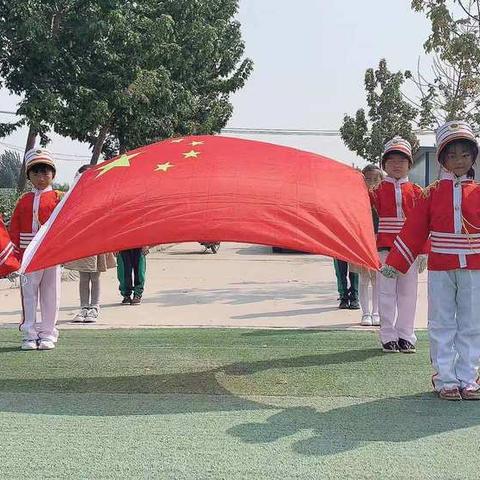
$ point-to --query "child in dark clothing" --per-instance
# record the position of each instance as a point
(131, 267)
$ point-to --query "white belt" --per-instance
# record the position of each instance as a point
(455, 243)
(390, 224)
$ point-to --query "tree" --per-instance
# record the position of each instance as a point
(10, 166)
(453, 88)
(31, 64)
(389, 114)
(160, 69)
(119, 74)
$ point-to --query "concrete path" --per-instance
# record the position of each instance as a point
(241, 286)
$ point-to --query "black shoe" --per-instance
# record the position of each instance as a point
(390, 347)
(354, 305)
(405, 346)
(126, 301)
(137, 300)
(344, 304)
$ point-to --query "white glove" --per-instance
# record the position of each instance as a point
(389, 272)
(422, 263)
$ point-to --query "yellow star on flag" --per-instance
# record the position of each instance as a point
(123, 161)
(177, 140)
(191, 154)
(164, 167)
(194, 143)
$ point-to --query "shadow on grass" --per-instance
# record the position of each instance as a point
(64, 398)
(396, 419)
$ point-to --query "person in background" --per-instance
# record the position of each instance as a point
(90, 269)
(347, 285)
(131, 268)
(367, 288)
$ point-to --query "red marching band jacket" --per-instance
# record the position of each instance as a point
(393, 200)
(450, 213)
(8, 261)
(33, 209)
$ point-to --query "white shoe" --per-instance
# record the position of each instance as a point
(29, 345)
(92, 315)
(80, 316)
(366, 320)
(46, 345)
(376, 319)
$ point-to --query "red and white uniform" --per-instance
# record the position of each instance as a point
(8, 260)
(450, 214)
(33, 210)
(394, 200)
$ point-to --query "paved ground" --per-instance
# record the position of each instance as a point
(241, 286)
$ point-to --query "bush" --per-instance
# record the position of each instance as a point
(8, 200)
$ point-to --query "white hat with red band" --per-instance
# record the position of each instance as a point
(37, 156)
(398, 144)
(451, 131)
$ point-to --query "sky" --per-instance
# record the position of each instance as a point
(310, 57)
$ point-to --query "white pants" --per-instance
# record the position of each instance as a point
(397, 301)
(454, 327)
(44, 287)
(366, 279)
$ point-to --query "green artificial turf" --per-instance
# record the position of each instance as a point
(232, 404)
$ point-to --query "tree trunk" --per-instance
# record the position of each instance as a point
(31, 139)
(97, 149)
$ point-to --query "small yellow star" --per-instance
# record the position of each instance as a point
(191, 154)
(177, 140)
(123, 161)
(164, 167)
(194, 143)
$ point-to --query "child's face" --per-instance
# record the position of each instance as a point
(397, 165)
(458, 159)
(373, 178)
(41, 177)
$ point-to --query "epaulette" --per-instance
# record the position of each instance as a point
(426, 191)
(21, 197)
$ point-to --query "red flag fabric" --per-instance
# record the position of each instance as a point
(211, 188)
(8, 261)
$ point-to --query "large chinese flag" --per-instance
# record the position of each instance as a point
(211, 188)
(8, 260)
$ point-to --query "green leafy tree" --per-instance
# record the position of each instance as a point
(32, 64)
(119, 74)
(452, 89)
(10, 166)
(162, 69)
(388, 114)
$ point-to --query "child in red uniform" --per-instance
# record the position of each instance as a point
(393, 200)
(8, 261)
(450, 213)
(31, 212)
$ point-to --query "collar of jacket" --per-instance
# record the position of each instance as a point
(447, 175)
(395, 181)
(36, 191)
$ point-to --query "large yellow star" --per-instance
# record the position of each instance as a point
(191, 154)
(177, 140)
(164, 167)
(123, 161)
(194, 143)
